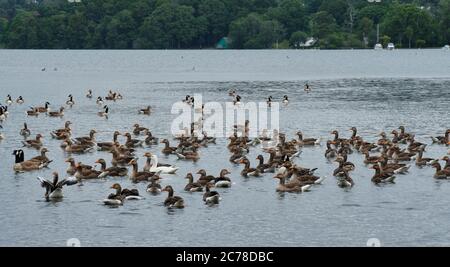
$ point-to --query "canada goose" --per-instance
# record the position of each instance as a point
(104, 113)
(43, 109)
(99, 101)
(20, 100)
(59, 113)
(25, 132)
(145, 111)
(70, 101)
(21, 165)
(89, 94)
(8, 100)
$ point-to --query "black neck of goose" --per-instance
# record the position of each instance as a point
(354, 133)
(103, 164)
(170, 191)
(166, 144)
(438, 167)
(300, 136)
(119, 191)
(19, 157)
(190, 179)
(207, 189)
(261, 160)
(282, 181)
(55, 180)
(115, 137)
(336, 136)
(247, 164)
(91, 135)
(377, 171)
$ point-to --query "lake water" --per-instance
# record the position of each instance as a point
(372, 90)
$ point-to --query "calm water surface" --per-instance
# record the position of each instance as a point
(372, 90)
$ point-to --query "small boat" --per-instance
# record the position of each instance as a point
(390, 46)
(378, 46)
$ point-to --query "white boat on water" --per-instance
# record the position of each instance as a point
(378, 46)
(446, 47)
(390, 46)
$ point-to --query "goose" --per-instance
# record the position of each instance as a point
(442, 139)
(171, 200)
(89, 94)
(137, 176)
(20, 100)
(2, 136)
(247, 171)
(76, 148)
(72, 169)
(346, 180)
(421, 161)
(20, 165)
(307, 88)
(70, 101)
(43, 109)
(264, 167)
(138, 129)
(336, 140)
(237, 100)
(285, 100)
(192, 186)
(42, 158)
(59, 113)
(222, 180)
(34, 143)
(330, 152)
(204, 179)
(447, 162)
(294, 186)
(86, 140)
(167, 148)
(119, 158)
(150, 139)
(440, 173)
(121, 195)
(99, 101)
(53, 189)
(145, 111)
(3, 113)
(25, 132)
(154, 187)
(371, 159)
(131, 143)
(109, 145)
(232, 92)
(9, 100)
(149, 163)
(104, 113)
(381, 177)
(32, 112)
(111, 171)
(58, 132)
(189, 155)
(85, 173)
(162, 169)
(307, 141)
(211, 197)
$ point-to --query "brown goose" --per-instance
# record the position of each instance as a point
(34, 143)
(138, 129)
(211, 197)
(248, 171)
(107, 146)
(85, 174)
(131, 143)
(59, 113)
(145, 111)
(381, 177)
(137, 176)
(222, 180)
(440, 173)
(293, 186)
(167, 148)
(114, 171)
(204, 179)
(72, 169)
(307, 141)
(171, 200)
(192, 186)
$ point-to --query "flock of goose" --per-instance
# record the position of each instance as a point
(388, 157)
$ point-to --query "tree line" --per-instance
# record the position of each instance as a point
(248, 24)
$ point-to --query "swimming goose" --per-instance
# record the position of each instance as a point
(421, 161)
(171, 200)
(58, 132)
(222, 180)
(43, 109)
(137, 176)
(154, 187)
(76, 148)
(2, 113)
(344, 165)
(371, 159)
(114, 171)
(32, 112)
(150, 139)
(269, 101)
(42, 158)
(247, 171)
(403, 134)
(59, 113)
(53, 189)
(121, 195)
(89, 94)
(145, 111)
(70, 101)
(20, 100)
(104, 113)
(138, 129)
(294, 186)
(85, 173)
(440, 173)
(264, 167)
(336, 140)
(131, 143)
(20, 165)
(237, 100)
(149, 163)
(210, 197)
(346, 180)
(99, 101)
(86, 140)
(307, 141)
(8, 100)
(2, 136)
(189, 155)
(204, 178)
(107, 146)
(330, 152)
(25, 132)
(163, 169)
(167, 148)
(192, 186)
(381, 177)
(72, 169)
(285, 100)
(34, 143)
(442, 139)
(447, 162)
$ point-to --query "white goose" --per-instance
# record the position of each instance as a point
(162, 169)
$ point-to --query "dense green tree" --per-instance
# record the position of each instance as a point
(444, 24)
(290, 13)
(297, 38)
(22, 32)
(322, 24)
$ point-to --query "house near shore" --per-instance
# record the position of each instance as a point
(223, 43)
